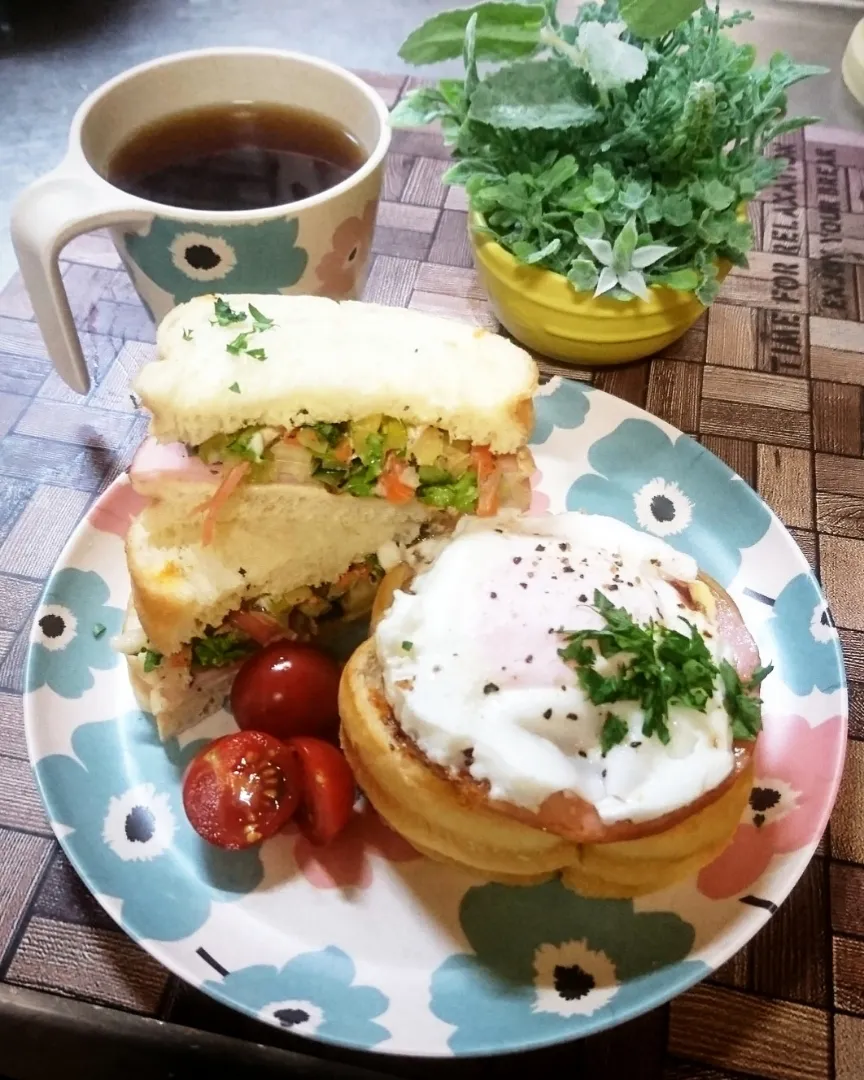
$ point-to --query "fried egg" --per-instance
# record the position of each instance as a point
(472, 669)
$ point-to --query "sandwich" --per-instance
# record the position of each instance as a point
(560, 695)
(355, 399)
(296, 447)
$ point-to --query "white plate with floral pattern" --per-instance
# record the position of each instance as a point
(367, 944)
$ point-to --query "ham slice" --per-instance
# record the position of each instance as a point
(156, 462)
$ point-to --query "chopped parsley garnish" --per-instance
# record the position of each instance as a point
(663, 667)
(225, 314)
(256, 354)
(614, 731)
(187, 335)
(98, 630)
(152, 659)
(239, 344)
(217, 650)
(330, 433)
(745, 709)
(261, 321)
(407, 645)
(234, 388)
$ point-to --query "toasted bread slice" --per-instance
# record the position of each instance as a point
(270, 539)
(324, 361)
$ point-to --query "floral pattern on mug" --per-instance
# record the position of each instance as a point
(260, 258)
(348, 860)
(796, 768)
(349, 249)
(72, 633)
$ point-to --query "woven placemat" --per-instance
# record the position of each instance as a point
(770, 380)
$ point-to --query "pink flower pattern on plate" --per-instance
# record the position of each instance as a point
(115, 509)
(346, 861)
(797, 766)
(539, 499)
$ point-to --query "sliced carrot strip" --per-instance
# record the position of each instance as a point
(231, 481)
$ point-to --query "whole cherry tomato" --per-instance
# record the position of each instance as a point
(328, 795)
(241, 789)
(287, 689)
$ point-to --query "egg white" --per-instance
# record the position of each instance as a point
(471, 666)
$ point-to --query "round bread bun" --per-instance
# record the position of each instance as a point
(449, 816)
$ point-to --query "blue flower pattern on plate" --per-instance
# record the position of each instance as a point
(313, 994)
(566, 407)
(676, 490)
(550, 965)
(807, 648)
(130, 839)
(73, 630)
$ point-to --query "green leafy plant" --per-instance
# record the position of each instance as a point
(619, 150)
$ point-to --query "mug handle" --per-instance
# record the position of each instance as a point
(45, 217)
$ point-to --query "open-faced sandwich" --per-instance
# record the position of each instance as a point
(555, 695)
(292, 439)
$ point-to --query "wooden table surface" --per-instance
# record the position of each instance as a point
(771, 380)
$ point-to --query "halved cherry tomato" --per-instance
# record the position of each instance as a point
(393, 487)
(328, 789)
(287, 689)
(241, 789)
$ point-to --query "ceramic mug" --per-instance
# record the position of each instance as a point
(316, 245)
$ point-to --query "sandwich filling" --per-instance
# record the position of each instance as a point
(570, 654)
(295, 616)
(378, 456)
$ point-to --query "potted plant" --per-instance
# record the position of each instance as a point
(608, 162)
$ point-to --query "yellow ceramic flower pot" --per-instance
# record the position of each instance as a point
(543, 311)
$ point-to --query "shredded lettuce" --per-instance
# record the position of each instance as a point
(461, 495)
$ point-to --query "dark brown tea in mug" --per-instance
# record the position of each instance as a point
(236, 156)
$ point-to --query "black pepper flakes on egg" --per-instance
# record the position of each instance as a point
(582, 753)
(540, 547)
(547, 715)
(490, 688)
(436, 668)
(613, 587)
(635, 745)
(493, 595)
(569, 570)
(563, 547)
(572, 716)
(529, 658)
(523, 584)
(583, 599)
(603, 774)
